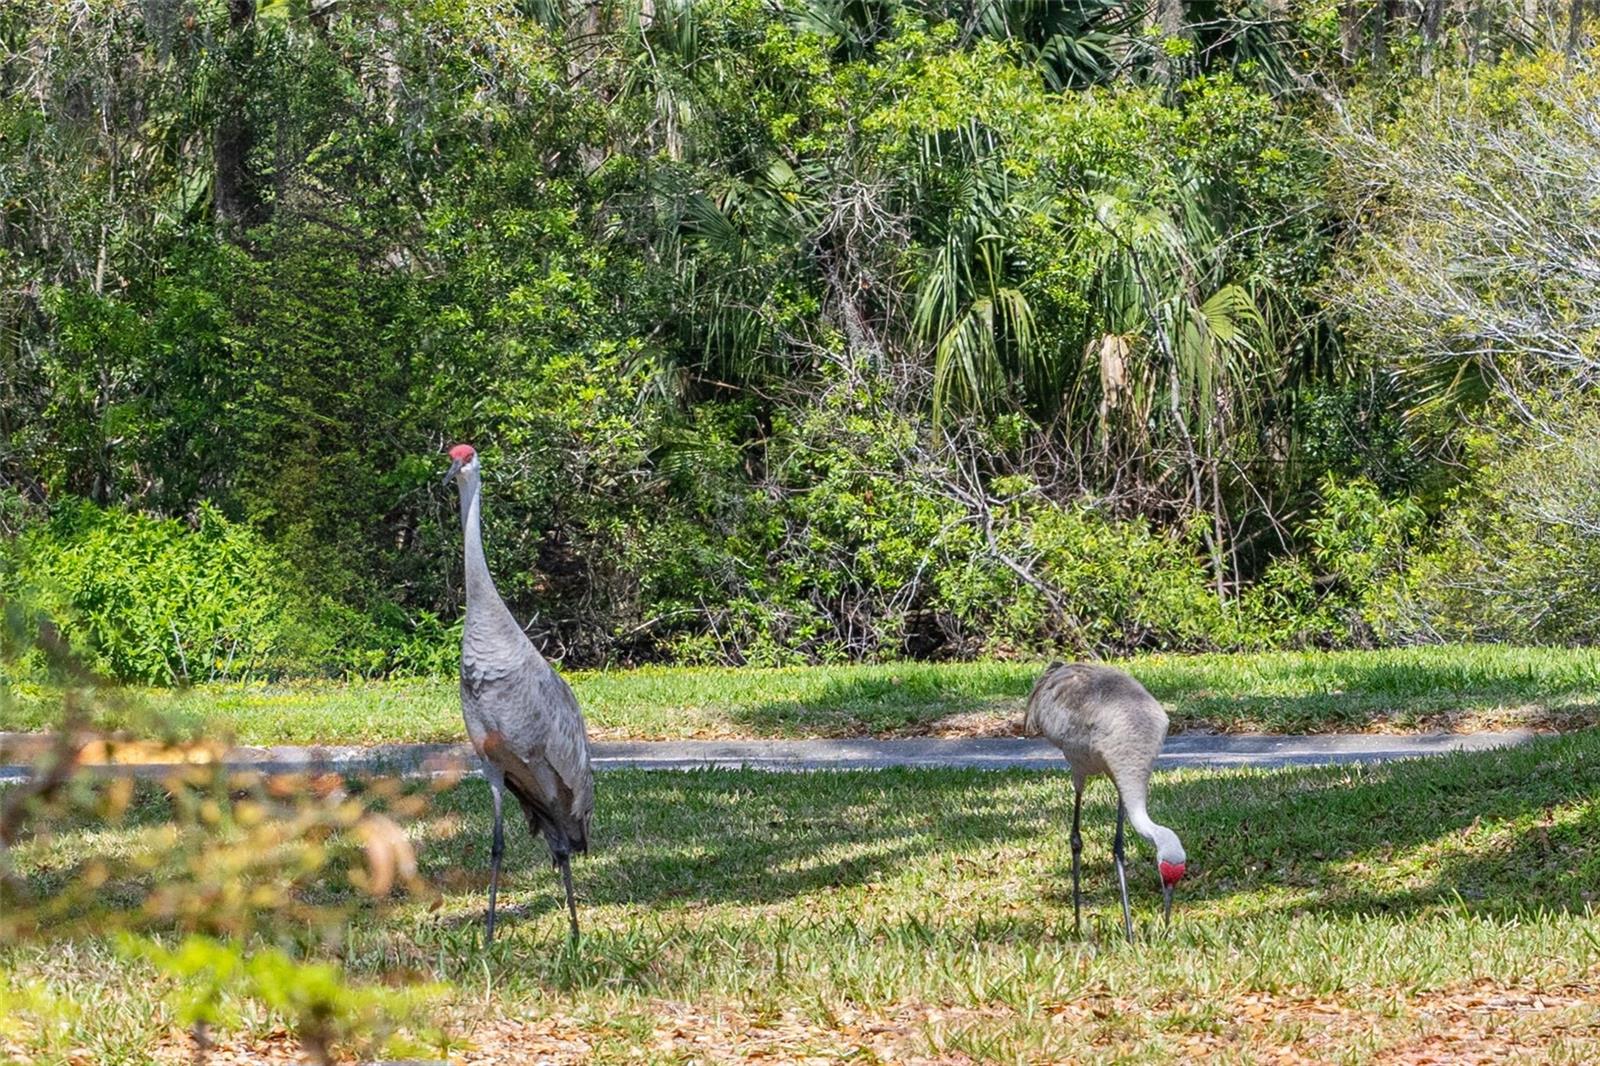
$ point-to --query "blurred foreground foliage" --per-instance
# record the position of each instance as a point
(233, 896)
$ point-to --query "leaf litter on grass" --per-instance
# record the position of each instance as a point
(1481, 1022)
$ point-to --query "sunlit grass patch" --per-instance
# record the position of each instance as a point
(1339, 914)
(1394, 689)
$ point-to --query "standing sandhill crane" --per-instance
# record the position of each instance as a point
(1105, 722)
(521, 717)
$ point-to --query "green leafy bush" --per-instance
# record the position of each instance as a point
(323, 1006)
(1517, 555)
(236, 890)
(152, 599)
(1340, 592)
(862, 543)
(831, 549)
(1472, 275)
(1097, 584)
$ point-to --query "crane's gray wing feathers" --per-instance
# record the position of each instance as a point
(526, 725)
(566, 738)
(1101, 718)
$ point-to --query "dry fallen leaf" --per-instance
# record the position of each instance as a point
(389, 853)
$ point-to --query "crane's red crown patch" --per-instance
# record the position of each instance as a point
(1171, 872)
(462, 453)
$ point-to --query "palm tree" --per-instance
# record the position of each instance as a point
(970, 307)
(1180, 355)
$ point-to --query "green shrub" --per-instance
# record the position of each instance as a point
(1340, 592)
(854, 546)
(1471, 277)
(337, 639)
(152, 599)
(322, 1004)
(859, 544)
(831, 549)
(1098, 584)
(1517, 557)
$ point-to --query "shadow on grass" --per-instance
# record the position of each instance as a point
(1492, 833)
(1290, 692)
(1358, 711)
(1496, 832)
(1354, 690)
(889, 701)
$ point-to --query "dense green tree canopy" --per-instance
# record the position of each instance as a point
(805, 329)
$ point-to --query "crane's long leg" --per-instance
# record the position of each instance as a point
(1077, 851)
(496, 852)
(1122, 874)
(565, 862)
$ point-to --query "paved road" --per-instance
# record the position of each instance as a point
(1187, 749)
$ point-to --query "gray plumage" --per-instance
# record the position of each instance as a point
(521, 716)
(1105, 722)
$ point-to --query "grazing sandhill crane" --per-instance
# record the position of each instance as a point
(521, 717)
(1105, 722)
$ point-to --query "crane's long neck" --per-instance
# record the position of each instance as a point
(1163, 839)
(491, 637)
(480, 586)
(1139, 818)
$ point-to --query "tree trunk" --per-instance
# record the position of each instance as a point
(1384, 16)
(1574, 27)
(1349, 31)
(584, 26)
(388, 33)
(1432, 14)
(238, 199)
(1168, 16)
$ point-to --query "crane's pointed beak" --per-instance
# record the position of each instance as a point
(455, 468)
(1166, 905)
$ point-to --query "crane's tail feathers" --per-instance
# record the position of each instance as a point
(1031, 724)
(558, 828)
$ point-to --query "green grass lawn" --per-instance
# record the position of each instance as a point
(1443, 907)
(1408, 688)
